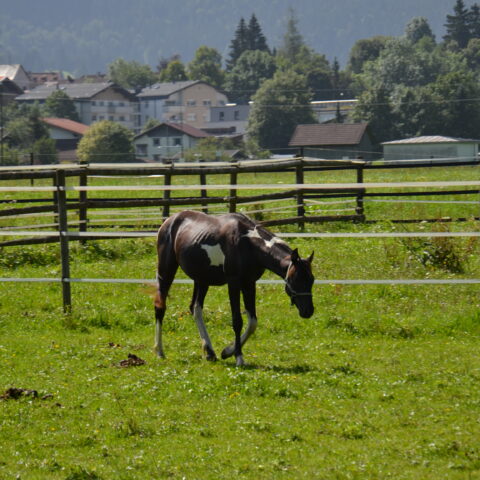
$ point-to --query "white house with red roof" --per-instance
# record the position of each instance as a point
(66, 133)
(166, 141)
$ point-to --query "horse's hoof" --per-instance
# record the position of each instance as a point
(211, 358)
(227, 352)
(239, 361)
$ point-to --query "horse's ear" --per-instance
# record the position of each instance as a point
(310, 258)
(295, 257)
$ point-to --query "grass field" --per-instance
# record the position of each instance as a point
(382, 382)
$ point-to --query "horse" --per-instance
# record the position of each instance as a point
(226, 249)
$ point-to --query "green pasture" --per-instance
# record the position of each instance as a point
(382, 382)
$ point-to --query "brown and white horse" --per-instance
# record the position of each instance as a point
(226, 249)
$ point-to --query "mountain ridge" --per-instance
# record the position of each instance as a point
(85, 37)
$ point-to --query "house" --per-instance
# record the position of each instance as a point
(40, 78)
(93, 101)
(9, 90)
(327, 110)
(187, 102)
(335, 141)
(229, 119)
(66, 133)
(166, 141)
(431, 147)
(17, 74)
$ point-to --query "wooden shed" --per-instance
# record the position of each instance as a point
(335, 141)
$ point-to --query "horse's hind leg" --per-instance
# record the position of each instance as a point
(199, 293)
(167, 267)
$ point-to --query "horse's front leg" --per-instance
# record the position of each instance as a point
(249, 301)
(237, 323)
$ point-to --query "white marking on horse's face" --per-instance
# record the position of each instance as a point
(268, 243)
(215, 254)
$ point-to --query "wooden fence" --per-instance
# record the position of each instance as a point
(66, 196)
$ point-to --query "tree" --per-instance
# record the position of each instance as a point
(279, 105)
(255, 38)
(247, 37)
(26, 128)
(292, 40)
(207, 66)
(365, 50)
(44, 151)
(458, 25)
(106, 141)
(474, 21)
(250, 70)
(417, 29)
(174, 72)
(374, 106)
(316, 70)
(131, 74)
(456, 114)
(58, 104)
(238, 44)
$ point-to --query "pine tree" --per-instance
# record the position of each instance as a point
(255, 38)
(458, 25)
(474, 21)
(292, 40)
(238, 44)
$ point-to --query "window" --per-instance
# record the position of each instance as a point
(121, 104)
(207, 103)
(121, 118)
(191, 117)
(141, 149)
(145, 103)
(191, 103)
(156, 142)
(101, 117)
(94, 118)
(236, 115)
(177, 141)
(94, 103)
(100, 103)
(110, 117)
(221, 116)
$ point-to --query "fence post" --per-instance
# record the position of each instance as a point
(63, 231)
(359, 209)
(166, 193)
(233, 191)
(299, 180)
(82, 199)
(203, 192)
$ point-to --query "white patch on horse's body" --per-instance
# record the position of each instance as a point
(215, 254)
(268, 243)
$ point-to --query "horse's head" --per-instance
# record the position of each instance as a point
(299, 282)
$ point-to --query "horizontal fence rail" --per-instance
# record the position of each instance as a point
(348, 198)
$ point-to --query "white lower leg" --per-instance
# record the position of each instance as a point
(198, 315)
(158, 348)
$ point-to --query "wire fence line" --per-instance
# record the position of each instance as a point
(353, 192)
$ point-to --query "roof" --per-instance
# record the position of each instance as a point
(76, 91)
(8, 85)
(180, 127)
(66, 124)
(430, 139)
(9, 71)
(328, 134)
(166, 89)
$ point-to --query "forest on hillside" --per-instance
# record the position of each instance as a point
(84, 37)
